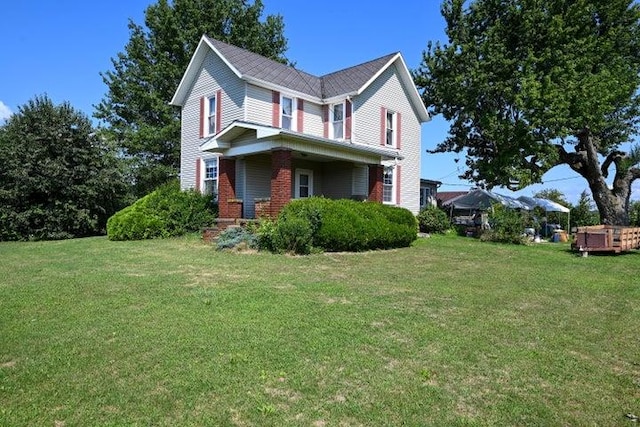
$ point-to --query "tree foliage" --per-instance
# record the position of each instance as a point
(145, 76)
(634, 213)
(584, 212)
(531, 84)
(57, 179)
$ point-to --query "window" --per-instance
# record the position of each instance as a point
(211, 115)
(425, 196)
(387, 184)
(286, 113)
(210, 186)
(390, 136)
(338, 121)
(304, 183)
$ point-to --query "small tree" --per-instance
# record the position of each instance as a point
(634, 213)
(507, 225)
(584, 212)
(57, 179)
(432, 219)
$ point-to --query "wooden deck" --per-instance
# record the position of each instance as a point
(606, 238)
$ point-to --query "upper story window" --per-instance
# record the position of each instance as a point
(390, 129)
(338, 121)
(211, 115)
(287, 108)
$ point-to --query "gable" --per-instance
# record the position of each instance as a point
(271, 74)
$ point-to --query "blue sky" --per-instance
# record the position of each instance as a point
(59, 48)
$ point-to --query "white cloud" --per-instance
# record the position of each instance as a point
(5, 112)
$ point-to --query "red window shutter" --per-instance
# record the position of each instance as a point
(202, 117)
(300, 118)
(325, 120)
(218, 110)
(347, 119)
(383, 126)
(275, 110)
(398, 182)
(198, 162)
(398, 130)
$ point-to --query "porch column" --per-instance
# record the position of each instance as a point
(227, 188)
(375, 183)
(280, 180)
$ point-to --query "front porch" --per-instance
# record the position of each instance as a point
(261, 185)
(262, 168)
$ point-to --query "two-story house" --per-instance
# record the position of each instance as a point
(256, 131)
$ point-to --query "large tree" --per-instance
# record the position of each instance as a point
(57, 179)
(531, 84)
(145, 76)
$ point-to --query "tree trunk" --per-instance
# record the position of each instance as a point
(612, 203)
(612, 207)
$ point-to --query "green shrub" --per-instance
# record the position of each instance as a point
(507, 226)
(237, 237)
(347, 225)
(293, 236)
(165, 212)
(265, 235)
(433, 220)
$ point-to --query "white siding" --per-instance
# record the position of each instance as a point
(313, 119)
(259, 105)
(214, 75)
(257, 182)
(337, 181)
(387, 91)
(360, 181)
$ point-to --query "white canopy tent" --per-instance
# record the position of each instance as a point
(547, 205)
(483, 199)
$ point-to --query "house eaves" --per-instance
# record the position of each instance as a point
(264, 72)
(224, 139)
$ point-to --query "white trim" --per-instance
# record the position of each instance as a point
(269, 137)
(200, 53)
(207, 113)
(245, 113)
(203, 174)
(394, 183)
(294, 111)
(278, 88)
(407, 81)
(394, 128)
(332, 120)
(307, 172)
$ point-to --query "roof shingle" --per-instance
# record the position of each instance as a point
(341, 82)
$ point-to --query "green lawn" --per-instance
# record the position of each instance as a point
(448, 332)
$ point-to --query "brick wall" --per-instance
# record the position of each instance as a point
(375, 183)
(226, 186)
(280, 180)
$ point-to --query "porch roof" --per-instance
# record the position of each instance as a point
(268, 138)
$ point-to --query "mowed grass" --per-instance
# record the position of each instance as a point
(450, 332)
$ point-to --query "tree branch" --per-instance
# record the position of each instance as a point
(575, 160)
(614, 157)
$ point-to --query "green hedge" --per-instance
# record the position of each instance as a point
(166, 212)
(343, 225)
(432, 219)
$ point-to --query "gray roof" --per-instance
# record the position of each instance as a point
(341, 82)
